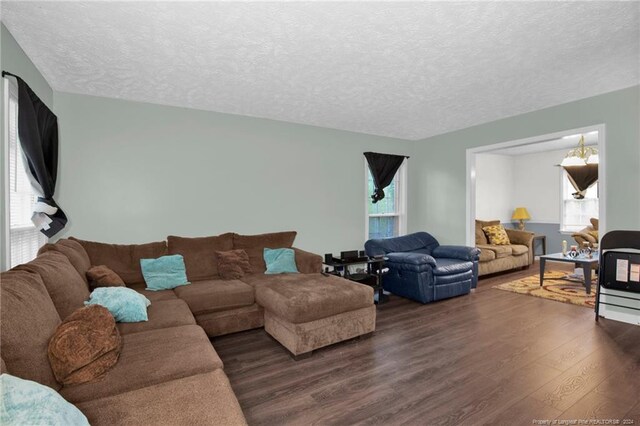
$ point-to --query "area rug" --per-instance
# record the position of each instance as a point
(553, 288)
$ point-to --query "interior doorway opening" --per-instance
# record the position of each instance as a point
(526, 173)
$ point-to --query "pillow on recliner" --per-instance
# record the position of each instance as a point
(497, 235)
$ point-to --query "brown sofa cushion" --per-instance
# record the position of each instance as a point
(233, 264)
(65, 286)
(256, 280)
(254, 245)
(486, 254)
(28, 319)
(74, 251)
(162, 314)
(150, 358)
(85, 346)
(200, 254)
(481, 237)
(153, 296)
(123, 259)
(300, 298)
(103, 276)
(308, 263)
(203, 399)
(215, 295)
(500, 251)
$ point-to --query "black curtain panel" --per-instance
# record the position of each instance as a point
(582, 178)
(38, 135)
(383, 168)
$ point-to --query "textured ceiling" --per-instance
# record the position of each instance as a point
(407, 70)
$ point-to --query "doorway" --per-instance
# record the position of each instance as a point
(559, 141)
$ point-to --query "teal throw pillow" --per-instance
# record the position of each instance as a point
(125, 304)
(24, 402)
(280, 261)
(164, 273)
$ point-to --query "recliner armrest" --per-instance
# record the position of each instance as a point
(457, 252)
(411, 258)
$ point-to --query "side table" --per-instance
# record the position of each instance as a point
(543, 239)
(371, 277)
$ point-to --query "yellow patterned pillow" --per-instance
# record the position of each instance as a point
(497, 235)
(594, 234)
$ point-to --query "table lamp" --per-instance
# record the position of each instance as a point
(521, 214)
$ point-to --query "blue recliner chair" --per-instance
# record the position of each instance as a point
(421, 269)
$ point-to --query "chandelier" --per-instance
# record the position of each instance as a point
(581, 155)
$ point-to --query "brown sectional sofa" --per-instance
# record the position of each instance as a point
(168, 371)
(498, 258)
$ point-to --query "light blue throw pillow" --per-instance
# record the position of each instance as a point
(125, 304)
(29, 403)
(280, 261)
(164, 273)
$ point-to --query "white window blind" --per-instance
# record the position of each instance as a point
(387, 218)
(24, 238)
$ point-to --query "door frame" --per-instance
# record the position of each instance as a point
(471, 172)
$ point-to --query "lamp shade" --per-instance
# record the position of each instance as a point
(520, 213)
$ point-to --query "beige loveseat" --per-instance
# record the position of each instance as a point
(498, 258)
(168, 372)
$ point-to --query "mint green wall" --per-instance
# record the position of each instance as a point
(135, 172)
(14, 60)
(439, 178)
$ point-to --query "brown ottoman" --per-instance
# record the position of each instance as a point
(309, 311)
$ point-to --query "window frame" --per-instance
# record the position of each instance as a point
(401, 200)
(563, 182)
(10, 91)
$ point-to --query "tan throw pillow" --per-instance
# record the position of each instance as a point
(102, 276)
(233, 264)
(594, 234)
(85, 346)
(594, 222)
(497, 235)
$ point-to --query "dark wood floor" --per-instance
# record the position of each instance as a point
(492, 357)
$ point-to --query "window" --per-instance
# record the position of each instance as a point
(388, 217)
(576, 213)
(24, 238)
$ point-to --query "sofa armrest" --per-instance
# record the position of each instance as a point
(524, 238)
(520, 237)
(411, 258)
(308, 263)
(457, 252)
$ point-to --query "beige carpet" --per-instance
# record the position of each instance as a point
(553, 288)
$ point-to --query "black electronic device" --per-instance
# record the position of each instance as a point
(349, 255)
(621, 270)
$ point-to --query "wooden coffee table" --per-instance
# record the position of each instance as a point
(582, 262)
